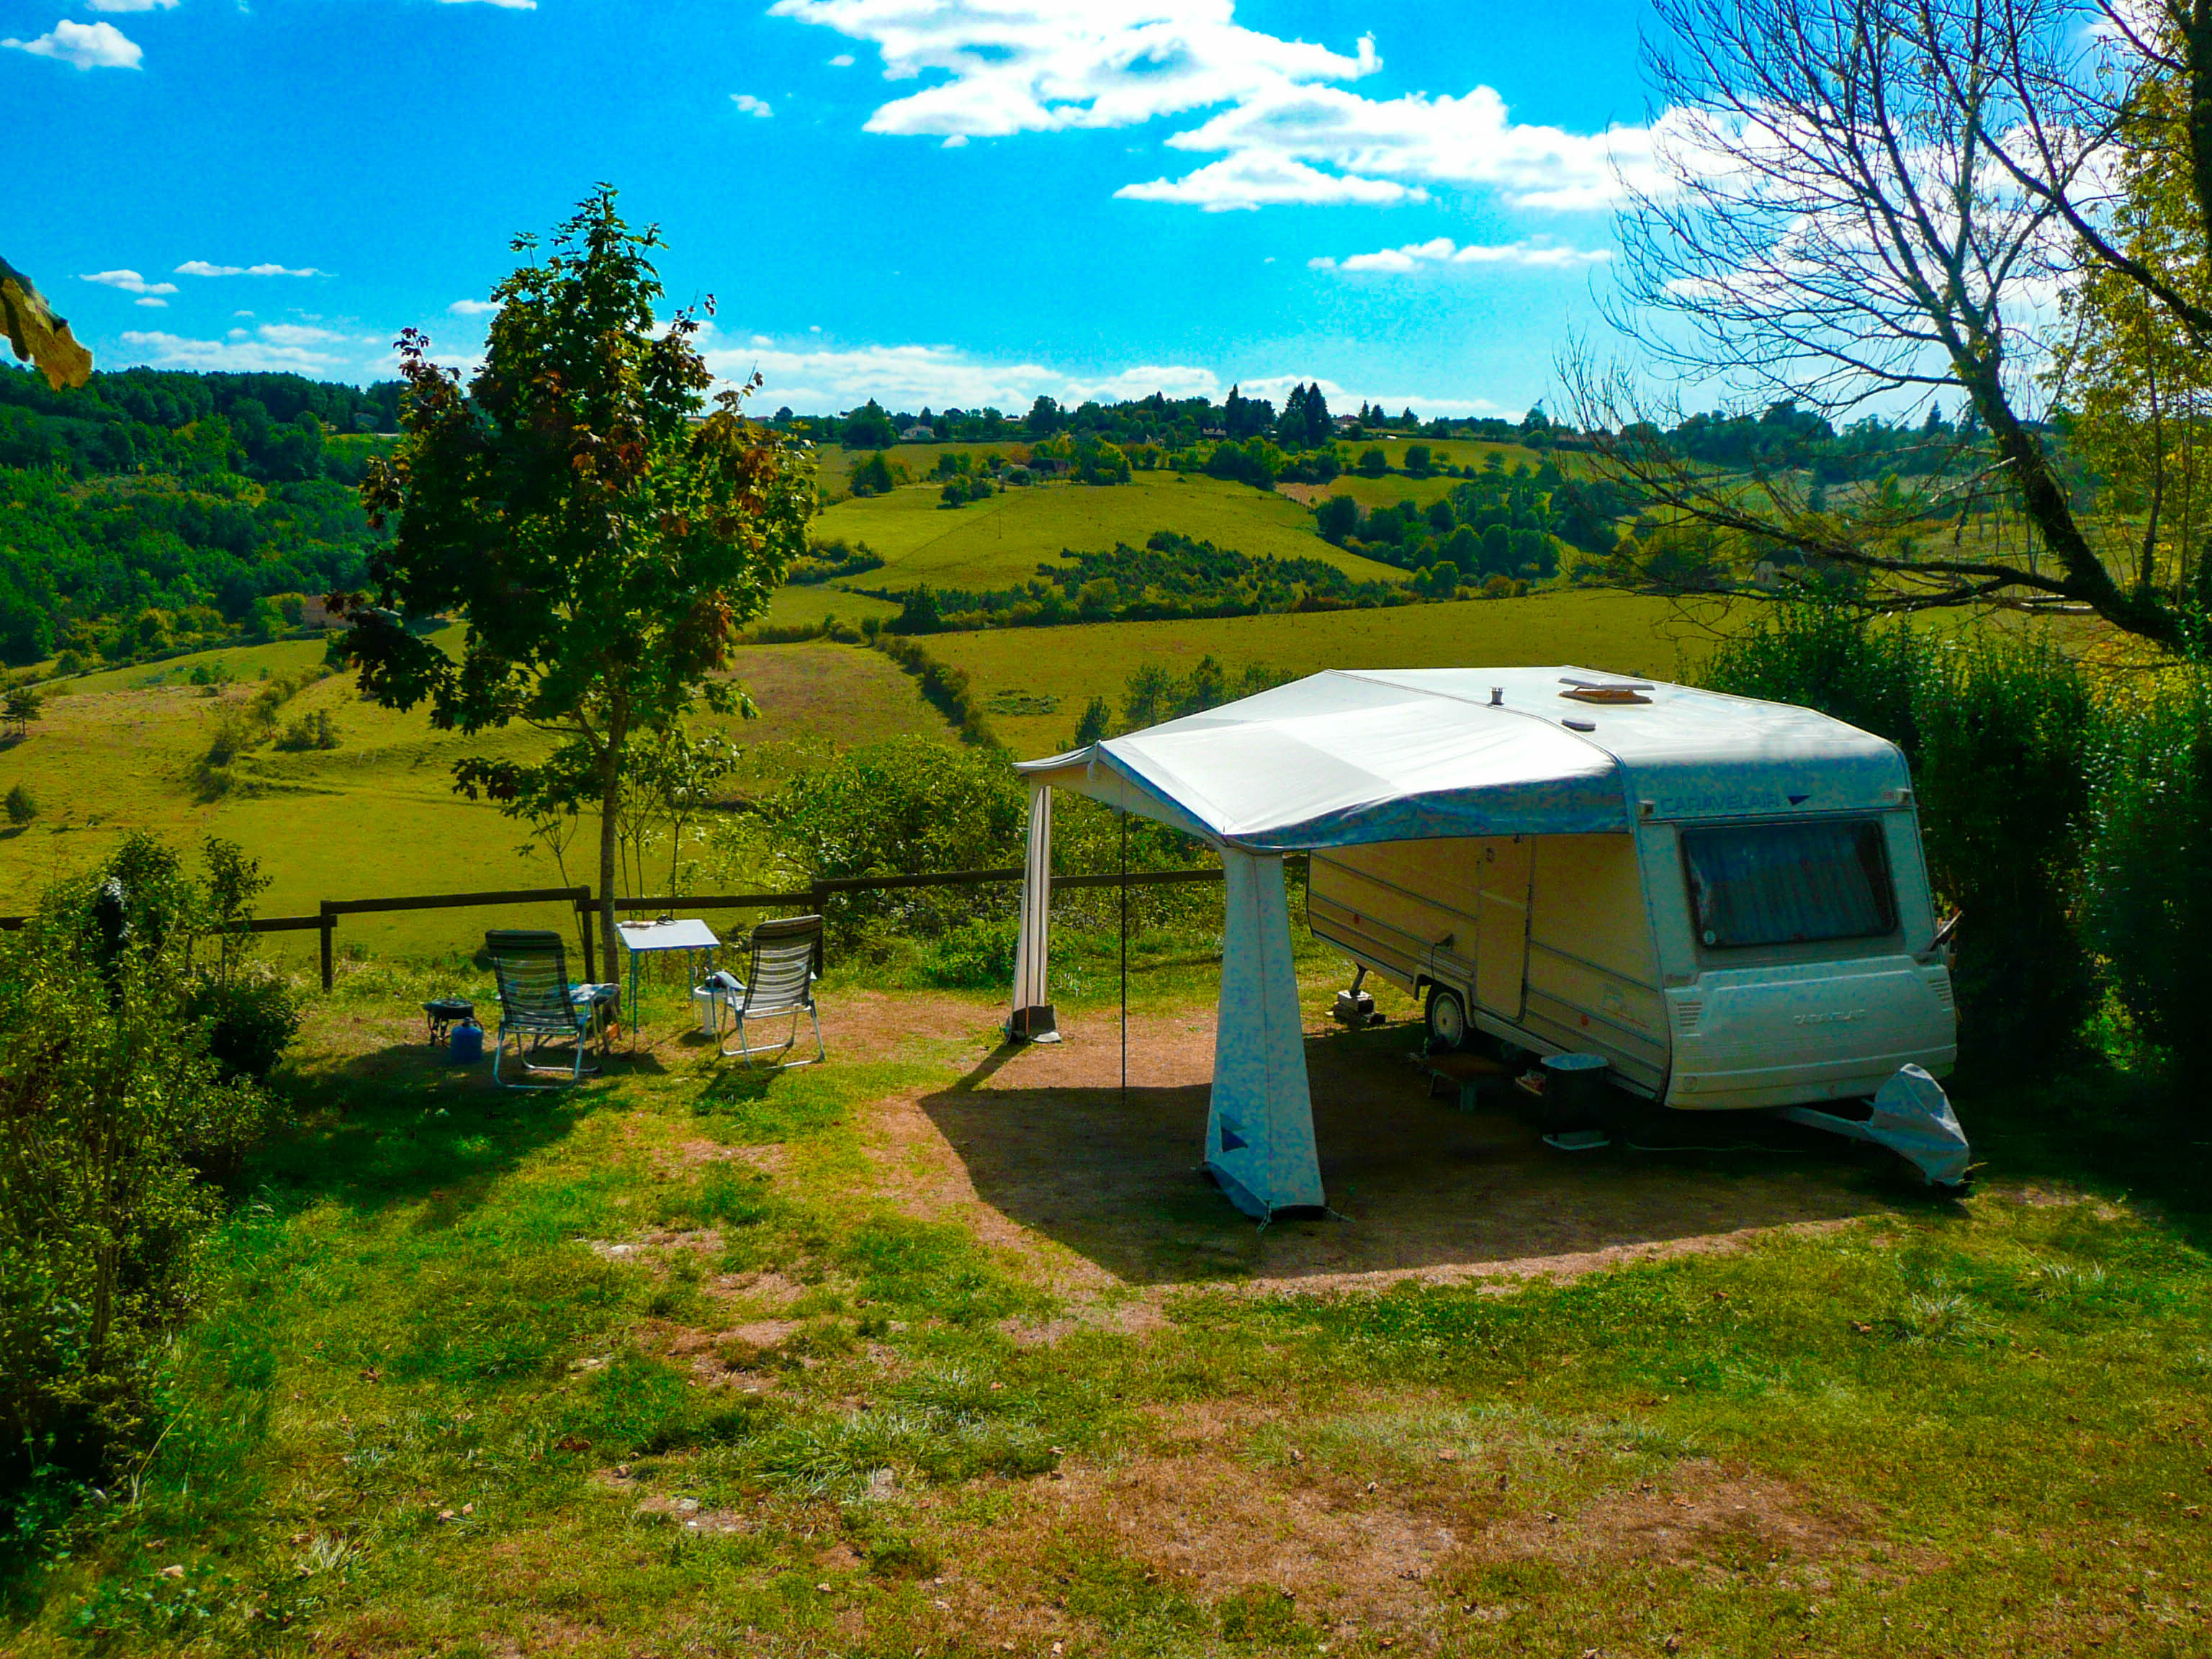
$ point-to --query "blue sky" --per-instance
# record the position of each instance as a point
(940, 202)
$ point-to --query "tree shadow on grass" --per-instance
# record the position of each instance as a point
(401, 1124)
(1417, 1185)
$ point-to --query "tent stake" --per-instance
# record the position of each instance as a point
(1125, 963)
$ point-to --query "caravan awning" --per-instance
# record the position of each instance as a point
(1348, 756)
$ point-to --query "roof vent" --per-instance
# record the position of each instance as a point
(1615, 693)
(1573, 725)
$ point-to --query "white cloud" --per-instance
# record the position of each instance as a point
(131, 5)
(473, 308)
(129, 281)
(88, 45)
(241, 352)
(508, 5)
(1284, 121)
(1441, 252)
(750, 105)
(152, 299)
(1256, 180)
(202, 268)
(842, 60)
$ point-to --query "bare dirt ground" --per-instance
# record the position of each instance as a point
(1039, 1144)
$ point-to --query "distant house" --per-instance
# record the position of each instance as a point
(917, 435)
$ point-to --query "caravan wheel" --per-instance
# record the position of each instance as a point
(1447, 1020)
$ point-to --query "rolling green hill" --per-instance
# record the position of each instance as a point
(376, 816)
(1000, 541)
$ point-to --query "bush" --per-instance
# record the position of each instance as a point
(312, 730)
(251, 1021)
(23, 805)
(2150, 877)
(110, 1106)
(905, 807)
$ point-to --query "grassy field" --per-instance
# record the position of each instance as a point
(1622, 633)
(1000, 541)
(376, 816)
(939, 1350)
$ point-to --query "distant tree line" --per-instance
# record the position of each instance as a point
(1170, 576)
(151, 509)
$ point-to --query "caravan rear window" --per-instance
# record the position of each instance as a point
(1789, 884)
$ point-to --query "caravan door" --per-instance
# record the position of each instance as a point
(1501, 930)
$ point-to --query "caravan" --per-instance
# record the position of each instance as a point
(1751, 940)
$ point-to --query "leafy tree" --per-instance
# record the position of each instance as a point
(603, 538)
(25, 704)
(1373, 463)
(873, 475)
(1336, 518)
(1044, 418)
(1417, 461)
(869, 428)
(23, 805)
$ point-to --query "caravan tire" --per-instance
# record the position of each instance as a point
(1447, 1021)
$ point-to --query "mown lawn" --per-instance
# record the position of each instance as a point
(684, 1362)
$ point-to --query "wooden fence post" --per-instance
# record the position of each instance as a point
(329, 920)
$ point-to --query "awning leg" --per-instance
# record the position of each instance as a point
(1031, 1017)
(1259, 1129)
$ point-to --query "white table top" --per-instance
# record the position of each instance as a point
(682, 934)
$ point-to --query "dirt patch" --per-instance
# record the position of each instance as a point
(1041, 1151)
(1698, 1512)
(1214, 1526)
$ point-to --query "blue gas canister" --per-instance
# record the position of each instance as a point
(466, 1044)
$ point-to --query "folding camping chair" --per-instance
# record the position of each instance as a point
(780, 980)
(538, 1005)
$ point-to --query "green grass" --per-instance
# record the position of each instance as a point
(687, 1362)
(1623, 633)
(377, 816)
(1000, 541)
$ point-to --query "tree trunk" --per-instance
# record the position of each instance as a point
(609, 816)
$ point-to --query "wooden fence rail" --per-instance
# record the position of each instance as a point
(325, 919)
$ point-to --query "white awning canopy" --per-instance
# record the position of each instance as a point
(1347, 756)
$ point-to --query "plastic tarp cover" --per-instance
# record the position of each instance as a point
(1912, 1117)
(1258, 1128)
(1342, 758)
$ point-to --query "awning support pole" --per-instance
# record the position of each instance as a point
(1125, 963)
(1031, 1017)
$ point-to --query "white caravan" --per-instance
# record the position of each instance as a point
(1762, 936)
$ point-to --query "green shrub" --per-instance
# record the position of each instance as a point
(312, 730)
(111, 1104)
(905, 807)
(2150, 877)
(23, 805)
(252, 1019)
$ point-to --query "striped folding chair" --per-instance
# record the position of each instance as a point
(539, 1006)
(779, 980)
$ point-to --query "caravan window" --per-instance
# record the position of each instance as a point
(1789, 884)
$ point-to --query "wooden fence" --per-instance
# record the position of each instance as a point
(814, 898)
